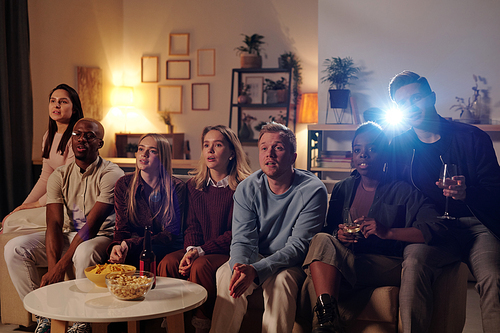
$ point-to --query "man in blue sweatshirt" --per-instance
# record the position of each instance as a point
(277, 210)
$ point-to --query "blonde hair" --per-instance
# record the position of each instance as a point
(283, 131)
(164, 208)
(238, 167)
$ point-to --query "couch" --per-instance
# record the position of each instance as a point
(11, 307)
(381, 314)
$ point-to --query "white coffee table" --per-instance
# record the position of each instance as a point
(81, 300)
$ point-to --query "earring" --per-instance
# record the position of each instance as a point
(230, 158)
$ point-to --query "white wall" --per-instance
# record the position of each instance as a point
(67, 34)
(446, 41)
(114, 35)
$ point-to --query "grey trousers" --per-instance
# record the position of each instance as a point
(470, 242)
(361, 274)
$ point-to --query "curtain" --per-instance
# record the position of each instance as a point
(16, 105)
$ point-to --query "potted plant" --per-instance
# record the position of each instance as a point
(131, 149)
(167, 119)
(289, 60)
(246, 133)
(476, 110)
(339, 72)
(280, 118)
(250, 53)
(243, 97)
(275, 90)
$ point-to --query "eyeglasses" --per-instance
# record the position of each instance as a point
(89, 136)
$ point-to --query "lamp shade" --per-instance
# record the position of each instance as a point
(308, 111)
(123, 96)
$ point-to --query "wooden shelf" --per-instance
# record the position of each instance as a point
(353, 127)
(333, 127)
(488, 128)
(320, 169)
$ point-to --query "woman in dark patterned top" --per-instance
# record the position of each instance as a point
(223, 164)
(150, 196)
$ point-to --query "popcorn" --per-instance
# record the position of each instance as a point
(128, 287)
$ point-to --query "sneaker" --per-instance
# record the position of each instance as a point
(42, 325)
(80, 328)
(328, 315)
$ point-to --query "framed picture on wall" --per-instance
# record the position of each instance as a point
(170, 99)
(255, 88)
(179, 44)
(200, 96)
(178, 69)
(206, 62)
(149, 69)
(90, 91)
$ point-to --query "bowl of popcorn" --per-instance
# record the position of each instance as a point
(129, 286)
(97, 273)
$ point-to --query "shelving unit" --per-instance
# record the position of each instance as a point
(328, 137)
(238, 76)
(338, 137)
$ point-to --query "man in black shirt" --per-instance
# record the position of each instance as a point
(473, 237)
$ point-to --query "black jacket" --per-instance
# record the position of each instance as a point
(396, 205)
(472, 150)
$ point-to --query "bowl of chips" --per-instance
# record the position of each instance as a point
(129, 286)
(97, 273)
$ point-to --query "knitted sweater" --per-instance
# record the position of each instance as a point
(133, 234)
(209, 218)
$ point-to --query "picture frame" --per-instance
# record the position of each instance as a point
(90, 91)
(170, 99)
(178, 69)
(149, 69)
(255, 91)
(206, 62)
(200, 96)
(178, 44)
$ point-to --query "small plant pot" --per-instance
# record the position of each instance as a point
(244, 99)
(275, 96)
(248, 60)
(339, 98)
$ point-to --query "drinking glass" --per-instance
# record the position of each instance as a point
(349, 226)
(448, 171)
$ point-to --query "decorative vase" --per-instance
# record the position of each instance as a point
(245, 132)
(244, 99)
(467, 117)
(170, 129)
(250, 60)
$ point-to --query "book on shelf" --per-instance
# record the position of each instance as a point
(334, 159)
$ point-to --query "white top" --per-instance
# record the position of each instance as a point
(81, 300)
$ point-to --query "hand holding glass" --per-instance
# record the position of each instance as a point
(448, 171)
(350, 226)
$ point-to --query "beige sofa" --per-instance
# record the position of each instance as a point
(11, 306)
(381, 314)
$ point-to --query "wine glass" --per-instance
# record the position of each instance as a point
(448, 171)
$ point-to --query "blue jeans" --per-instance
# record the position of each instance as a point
(469, 241)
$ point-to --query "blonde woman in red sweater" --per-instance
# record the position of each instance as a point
(223, 164)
